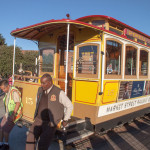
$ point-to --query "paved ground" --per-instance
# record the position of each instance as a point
(135, 136)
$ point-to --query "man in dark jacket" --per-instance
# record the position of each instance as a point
(51, 103)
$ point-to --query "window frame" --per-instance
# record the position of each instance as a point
(115, 28)
(137, 61)
(41, 60)
(113, 76)
(99, 25)
(95, 76)
(142, 76)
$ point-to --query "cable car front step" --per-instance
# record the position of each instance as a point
(75, 130)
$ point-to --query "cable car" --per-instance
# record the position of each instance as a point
(102, 65)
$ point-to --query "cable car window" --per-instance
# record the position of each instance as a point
(131, 59)
(48, 60)
(98, 22)
(113, 58)
(143, 66)
(87, 61)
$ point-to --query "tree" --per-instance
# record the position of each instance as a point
(6, 59)
(2, 40)
(29, 60)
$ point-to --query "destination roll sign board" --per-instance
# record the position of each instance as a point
(138, 36)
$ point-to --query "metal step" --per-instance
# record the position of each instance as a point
(75, 130)
(74, 122)
(76, 125)
(78, 136)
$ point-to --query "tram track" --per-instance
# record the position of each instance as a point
(101, 138)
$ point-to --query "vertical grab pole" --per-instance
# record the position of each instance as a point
(36, 65)
(68, 29)
(14, 59)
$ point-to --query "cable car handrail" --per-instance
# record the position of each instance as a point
(28, 77)
(33, 77)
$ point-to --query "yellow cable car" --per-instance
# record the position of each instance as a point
(101, 63)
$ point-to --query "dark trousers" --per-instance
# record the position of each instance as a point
(41, 131)
(6, 126)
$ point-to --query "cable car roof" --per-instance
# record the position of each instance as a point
(113, 20)
(35, 32)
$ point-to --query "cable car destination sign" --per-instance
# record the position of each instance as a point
(138, 36)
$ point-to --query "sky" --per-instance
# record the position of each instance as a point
(22, 13)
